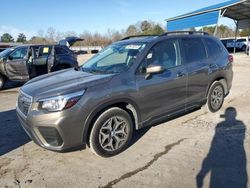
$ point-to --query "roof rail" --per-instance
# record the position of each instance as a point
(185, 32)
(138, 36)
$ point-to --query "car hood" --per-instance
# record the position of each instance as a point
(62, 82)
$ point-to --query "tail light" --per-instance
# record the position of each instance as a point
(230, 58)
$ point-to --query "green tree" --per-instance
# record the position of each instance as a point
(223, 31)
(21, 38)
(209, 29)
(6, 37)
(157, 30)
(132, 30)
(245, 33)
(38, 40)
(145, 26)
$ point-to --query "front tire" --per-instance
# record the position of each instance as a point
(215, 98)
(111, 133)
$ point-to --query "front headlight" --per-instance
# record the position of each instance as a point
(60, 103)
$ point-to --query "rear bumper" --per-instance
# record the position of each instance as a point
(60, 131)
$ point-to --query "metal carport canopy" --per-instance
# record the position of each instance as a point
(238, 10)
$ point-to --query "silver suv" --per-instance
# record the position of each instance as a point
(130, 84)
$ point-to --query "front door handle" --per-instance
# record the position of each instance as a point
(180, 74)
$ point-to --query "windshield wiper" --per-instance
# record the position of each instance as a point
(95, 71)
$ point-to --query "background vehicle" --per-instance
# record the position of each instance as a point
(28, 61)
(239, 44)
(133, 83)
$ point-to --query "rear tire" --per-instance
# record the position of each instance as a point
(2, 82)
(215, 97)
(111, 133)
(243, 48)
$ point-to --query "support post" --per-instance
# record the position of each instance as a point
(217, 24)
(236, 33)
(248, 45)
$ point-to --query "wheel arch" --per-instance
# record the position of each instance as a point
(222, 80)
(125, 104)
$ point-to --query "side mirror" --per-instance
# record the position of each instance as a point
(10, 57)
(154, 69)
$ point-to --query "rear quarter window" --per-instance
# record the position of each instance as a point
(195, 49)
(213, 48)
(241, 40)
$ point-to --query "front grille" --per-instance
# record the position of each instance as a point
(24, 103)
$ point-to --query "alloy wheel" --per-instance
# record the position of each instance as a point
(217, 97)
(113, 133)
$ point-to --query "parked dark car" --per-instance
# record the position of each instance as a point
(130, 84)
(24, 62)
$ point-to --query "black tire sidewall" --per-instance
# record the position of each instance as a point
(211, 109)
(94, 137)
(243, 48)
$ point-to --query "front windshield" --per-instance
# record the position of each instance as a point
(115, 58)
(5, 52)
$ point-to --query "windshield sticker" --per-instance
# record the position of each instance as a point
(45, 50)
(133, 47)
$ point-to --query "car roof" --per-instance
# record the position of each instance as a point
(149, 39)
(139, 39)
(38, 45)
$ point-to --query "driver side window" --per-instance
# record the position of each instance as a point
(165, 53)
(20, 53)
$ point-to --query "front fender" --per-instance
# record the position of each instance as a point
(110, 103)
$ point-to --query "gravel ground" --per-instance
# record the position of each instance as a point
(195, 150)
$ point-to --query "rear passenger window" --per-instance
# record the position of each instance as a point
(44, 51)
(60, 51)
(213, 47)
(195, 49)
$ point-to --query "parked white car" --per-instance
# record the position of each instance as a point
(240, 44)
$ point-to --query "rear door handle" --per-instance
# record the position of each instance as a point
(180, 74)
(212, 66)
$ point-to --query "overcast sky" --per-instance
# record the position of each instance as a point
(30, 16)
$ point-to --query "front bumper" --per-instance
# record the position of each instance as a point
(58, 131)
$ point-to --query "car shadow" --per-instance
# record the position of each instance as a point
(12, 135)
(11, 85)
(226, 161)
(138, 134)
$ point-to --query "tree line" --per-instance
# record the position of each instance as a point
(145, 27)
(51, 35)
